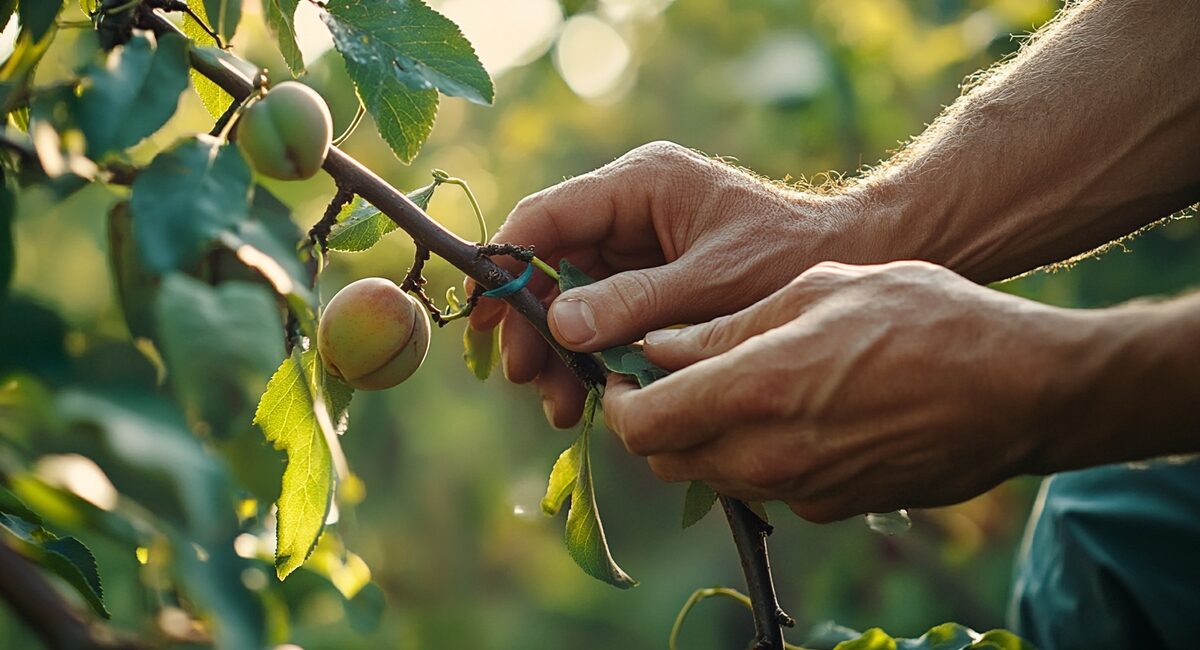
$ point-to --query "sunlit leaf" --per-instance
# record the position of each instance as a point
(214, 98)
(585, 539)
(185, 198)
(409, 42)
(481, 351)
(872, 639)
(360, 225)
(287, 416)
(37, 16)
(562, 480)
(141, 81)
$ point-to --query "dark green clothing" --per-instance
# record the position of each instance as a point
(1112, 560)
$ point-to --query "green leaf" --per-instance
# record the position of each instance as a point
(947, 636)
(281, 20)
(481, 351)
(224, 16)
(267, 243)
(72, 561)
(585, 539)
(37, 16)
(407, 41)
(150, 456)
(631, 360)
(403, 116)
(1001, 640)
(288, 418)
(872, 639)
(17, 70)
(698, 501)
(562, 479)
(221, 345)
(214, 98)
(66, 557)
(141, 82)
(137, 287)
(185, 198)
(8, 208)
(360, 225)
(570, 277)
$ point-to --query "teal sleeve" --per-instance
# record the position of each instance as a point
(1112, 560)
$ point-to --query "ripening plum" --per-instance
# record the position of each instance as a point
(372, 335)
(287, 133)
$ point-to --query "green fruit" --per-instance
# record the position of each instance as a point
(287, 133)
(372, 335)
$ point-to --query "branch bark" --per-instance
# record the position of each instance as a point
(748, 531)
(750, 536)
(46, 612)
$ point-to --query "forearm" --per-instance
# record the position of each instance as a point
(1090, 133)
(1131, 390)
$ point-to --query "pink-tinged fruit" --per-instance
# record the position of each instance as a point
(372, 335)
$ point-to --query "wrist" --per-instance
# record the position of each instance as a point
(1126, 391)
(885, 219)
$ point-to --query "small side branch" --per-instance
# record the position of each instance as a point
(750, 536)
(353, 176)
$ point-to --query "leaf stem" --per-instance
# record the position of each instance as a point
(545, 268)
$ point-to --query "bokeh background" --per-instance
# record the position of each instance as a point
(453, 469)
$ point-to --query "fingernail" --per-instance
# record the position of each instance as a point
(575, 321)
(548, 409)
(661, 336)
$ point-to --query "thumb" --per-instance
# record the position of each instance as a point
(674, 349)
(620, 309)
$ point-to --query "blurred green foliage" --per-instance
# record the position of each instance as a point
(449, 524)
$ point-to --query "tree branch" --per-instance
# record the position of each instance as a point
(45, 611)
(750, 536)
(748, 531)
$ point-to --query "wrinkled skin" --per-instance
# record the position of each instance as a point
(372, 335)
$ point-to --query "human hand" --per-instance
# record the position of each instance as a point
(856, 389)
(674, 236)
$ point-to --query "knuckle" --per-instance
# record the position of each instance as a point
(759, 395)
(635, 292)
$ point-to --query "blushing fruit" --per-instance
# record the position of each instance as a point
(372, 335)
(287, 133)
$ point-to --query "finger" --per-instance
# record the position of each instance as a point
(523, 352)
(562, 393)
(582, 212)
(621, 308)
(687, 408)
(677, 348)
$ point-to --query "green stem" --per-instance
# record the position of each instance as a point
(545, 268)
(358, 118)
(442, 177)
(710, 592)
